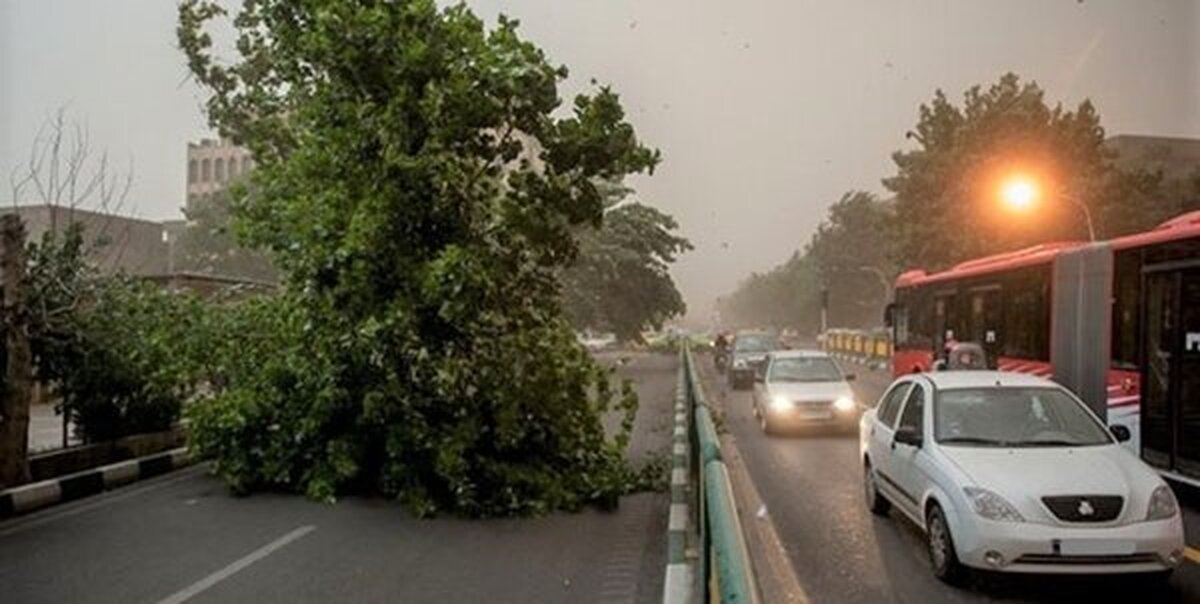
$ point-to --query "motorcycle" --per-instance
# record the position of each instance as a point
(721, 360)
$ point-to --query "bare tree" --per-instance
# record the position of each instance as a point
(65, 174)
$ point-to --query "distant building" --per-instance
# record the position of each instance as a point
(117, 243)
(1176, 158)
(212, 164)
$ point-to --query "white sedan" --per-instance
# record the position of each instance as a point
(1011, 472)
(803, 388)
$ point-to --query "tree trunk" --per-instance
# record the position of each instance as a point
(18, 359)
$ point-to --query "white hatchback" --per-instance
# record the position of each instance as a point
(1011, 472)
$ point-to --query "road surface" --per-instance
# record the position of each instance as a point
(182, 538)
(841, 553)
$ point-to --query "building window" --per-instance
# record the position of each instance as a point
(193, 171)
(205, 170)
(219, 170)
(233, 168)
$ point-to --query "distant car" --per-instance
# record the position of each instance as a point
(1011, 472)
(598, 342)
(749, 355)
(804, 388)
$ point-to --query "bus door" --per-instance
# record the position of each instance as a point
(1170, 430)
(945, 321)
(984, 322)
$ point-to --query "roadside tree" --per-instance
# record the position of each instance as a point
(419, 188)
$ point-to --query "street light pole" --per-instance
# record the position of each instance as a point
(1087, 214)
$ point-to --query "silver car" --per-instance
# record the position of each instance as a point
(800, 388)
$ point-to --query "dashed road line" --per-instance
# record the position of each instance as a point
(235, 567)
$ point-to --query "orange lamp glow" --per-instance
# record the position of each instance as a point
(1019, 193)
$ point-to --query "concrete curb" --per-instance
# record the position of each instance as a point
(680, 578)
(37, 495)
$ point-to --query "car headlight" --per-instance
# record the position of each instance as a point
(1162, 504)
(780, 403)
(844, 404)
(992, 506)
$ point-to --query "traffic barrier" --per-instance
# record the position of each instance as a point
(867, 347)
(724, 568)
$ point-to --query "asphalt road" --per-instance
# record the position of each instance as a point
(841, 553)
(182, 538)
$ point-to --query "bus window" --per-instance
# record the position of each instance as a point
(900, 324)
(1126, 335)
(1027, 316)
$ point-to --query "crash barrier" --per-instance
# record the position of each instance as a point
(723, 563)
(871, 347)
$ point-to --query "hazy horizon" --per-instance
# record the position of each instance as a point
(765, 115)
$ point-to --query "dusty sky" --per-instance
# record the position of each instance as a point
(766, 111)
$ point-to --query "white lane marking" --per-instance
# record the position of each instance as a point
(102, 500)
(200, 586)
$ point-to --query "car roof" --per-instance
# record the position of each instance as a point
(793, 354)
(952, 379)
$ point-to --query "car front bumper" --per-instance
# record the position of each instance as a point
(796, 418)
(1025, 547)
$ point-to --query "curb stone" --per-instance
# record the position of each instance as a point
(45, 493)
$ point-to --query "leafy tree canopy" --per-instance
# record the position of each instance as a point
(420, 189)
(620, 281)
(946, 190)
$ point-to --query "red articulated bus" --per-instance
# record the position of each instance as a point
(1116, 321)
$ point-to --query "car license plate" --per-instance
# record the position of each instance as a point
(815, 415)
(1095, 547)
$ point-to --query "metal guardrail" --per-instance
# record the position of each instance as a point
(724, 569)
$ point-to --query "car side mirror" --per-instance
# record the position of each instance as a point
(889, 314)
(907, 435)
(1119, 432)
(849, 377)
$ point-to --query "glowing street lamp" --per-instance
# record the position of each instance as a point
(1020, 193)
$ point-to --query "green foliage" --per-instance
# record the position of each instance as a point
(620, 281)
(420, 191)
(209, 244)
(946, 190)
(122, 354)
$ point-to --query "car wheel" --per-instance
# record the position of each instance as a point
(878, 504)
(941, 548)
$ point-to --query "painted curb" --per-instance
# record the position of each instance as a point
(679, 579)
(37, 495)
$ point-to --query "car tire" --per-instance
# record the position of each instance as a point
(876, 502)
(940, 544)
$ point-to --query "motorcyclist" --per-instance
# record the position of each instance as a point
(721, 351)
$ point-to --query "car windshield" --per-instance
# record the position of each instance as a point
(754, 344)
(1014, 417)
(803, 369)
